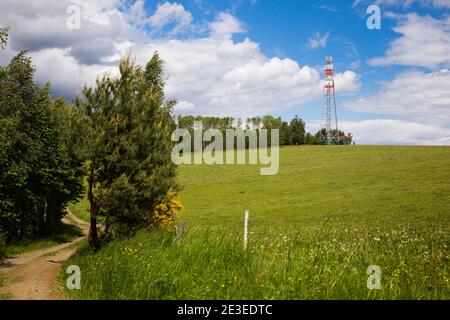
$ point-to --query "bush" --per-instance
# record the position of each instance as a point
(165, 213)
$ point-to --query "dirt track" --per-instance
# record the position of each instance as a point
(34, 275)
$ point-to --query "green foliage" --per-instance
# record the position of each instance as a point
(80, 208)
(343, 138)
(292, 133)
(3, 36)
(270, 123)
(38, 174)
(311, 139)
(297, 131)
(128, 127)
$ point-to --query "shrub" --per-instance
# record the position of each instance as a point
(165, 213)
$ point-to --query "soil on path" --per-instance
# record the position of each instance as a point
(34, 275)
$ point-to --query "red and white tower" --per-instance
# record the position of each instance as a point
(330, 133)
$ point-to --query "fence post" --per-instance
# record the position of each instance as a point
(245, 229)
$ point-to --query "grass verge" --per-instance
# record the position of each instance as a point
(318, 263)
(64, 234)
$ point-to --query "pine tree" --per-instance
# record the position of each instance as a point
(128, 147)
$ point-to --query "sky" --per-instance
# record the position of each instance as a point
(246, 58)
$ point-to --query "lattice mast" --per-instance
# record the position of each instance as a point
(331, 134)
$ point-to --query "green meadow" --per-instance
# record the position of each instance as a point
(314, 229)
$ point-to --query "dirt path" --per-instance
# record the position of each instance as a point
(34, 275)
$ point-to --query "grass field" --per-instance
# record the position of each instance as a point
(314, 230)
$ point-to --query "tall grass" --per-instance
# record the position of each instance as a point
(316, 263)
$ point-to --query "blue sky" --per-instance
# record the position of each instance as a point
(284, 30)
(252, 57)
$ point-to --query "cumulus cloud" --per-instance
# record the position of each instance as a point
(217, 76)
(397, 132)
(418, 100)
(392, 132)
(425, 42)
(40, 25)
(417, 96)
(225, 26)
(347, 82)
(65, 73)
(212, 74)
(167, 13)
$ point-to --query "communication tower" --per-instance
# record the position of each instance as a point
(330, 133)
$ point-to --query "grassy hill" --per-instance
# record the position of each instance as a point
(314, 230)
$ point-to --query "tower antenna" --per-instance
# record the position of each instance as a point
(330, 135)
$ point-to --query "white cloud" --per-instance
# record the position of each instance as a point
(419, 100)
(425, 42)
(211, 75)
(392, 132)
(396, 132)
(225, 26)
(318, 41)
(217, 76)
(346, 82)
(184, 106)
(419, 96)
(64, 71)
(167, 13)
(38, 25)
(407, 3)
(137, 14)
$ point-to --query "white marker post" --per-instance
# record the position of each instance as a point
(245, 229)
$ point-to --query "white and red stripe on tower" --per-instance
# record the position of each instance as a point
(330, 131)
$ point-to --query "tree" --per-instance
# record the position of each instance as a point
(37, 175)
(270, 123)
(311, 139)
(128, 147)
(343, 138)
(349, 138)
(254, 123)
(297, 131)
(4, 31)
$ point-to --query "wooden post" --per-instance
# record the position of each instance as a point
(245, 229)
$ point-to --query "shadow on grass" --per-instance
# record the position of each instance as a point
(62, 234)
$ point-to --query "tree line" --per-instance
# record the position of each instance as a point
(291, 133)
(40, 171)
